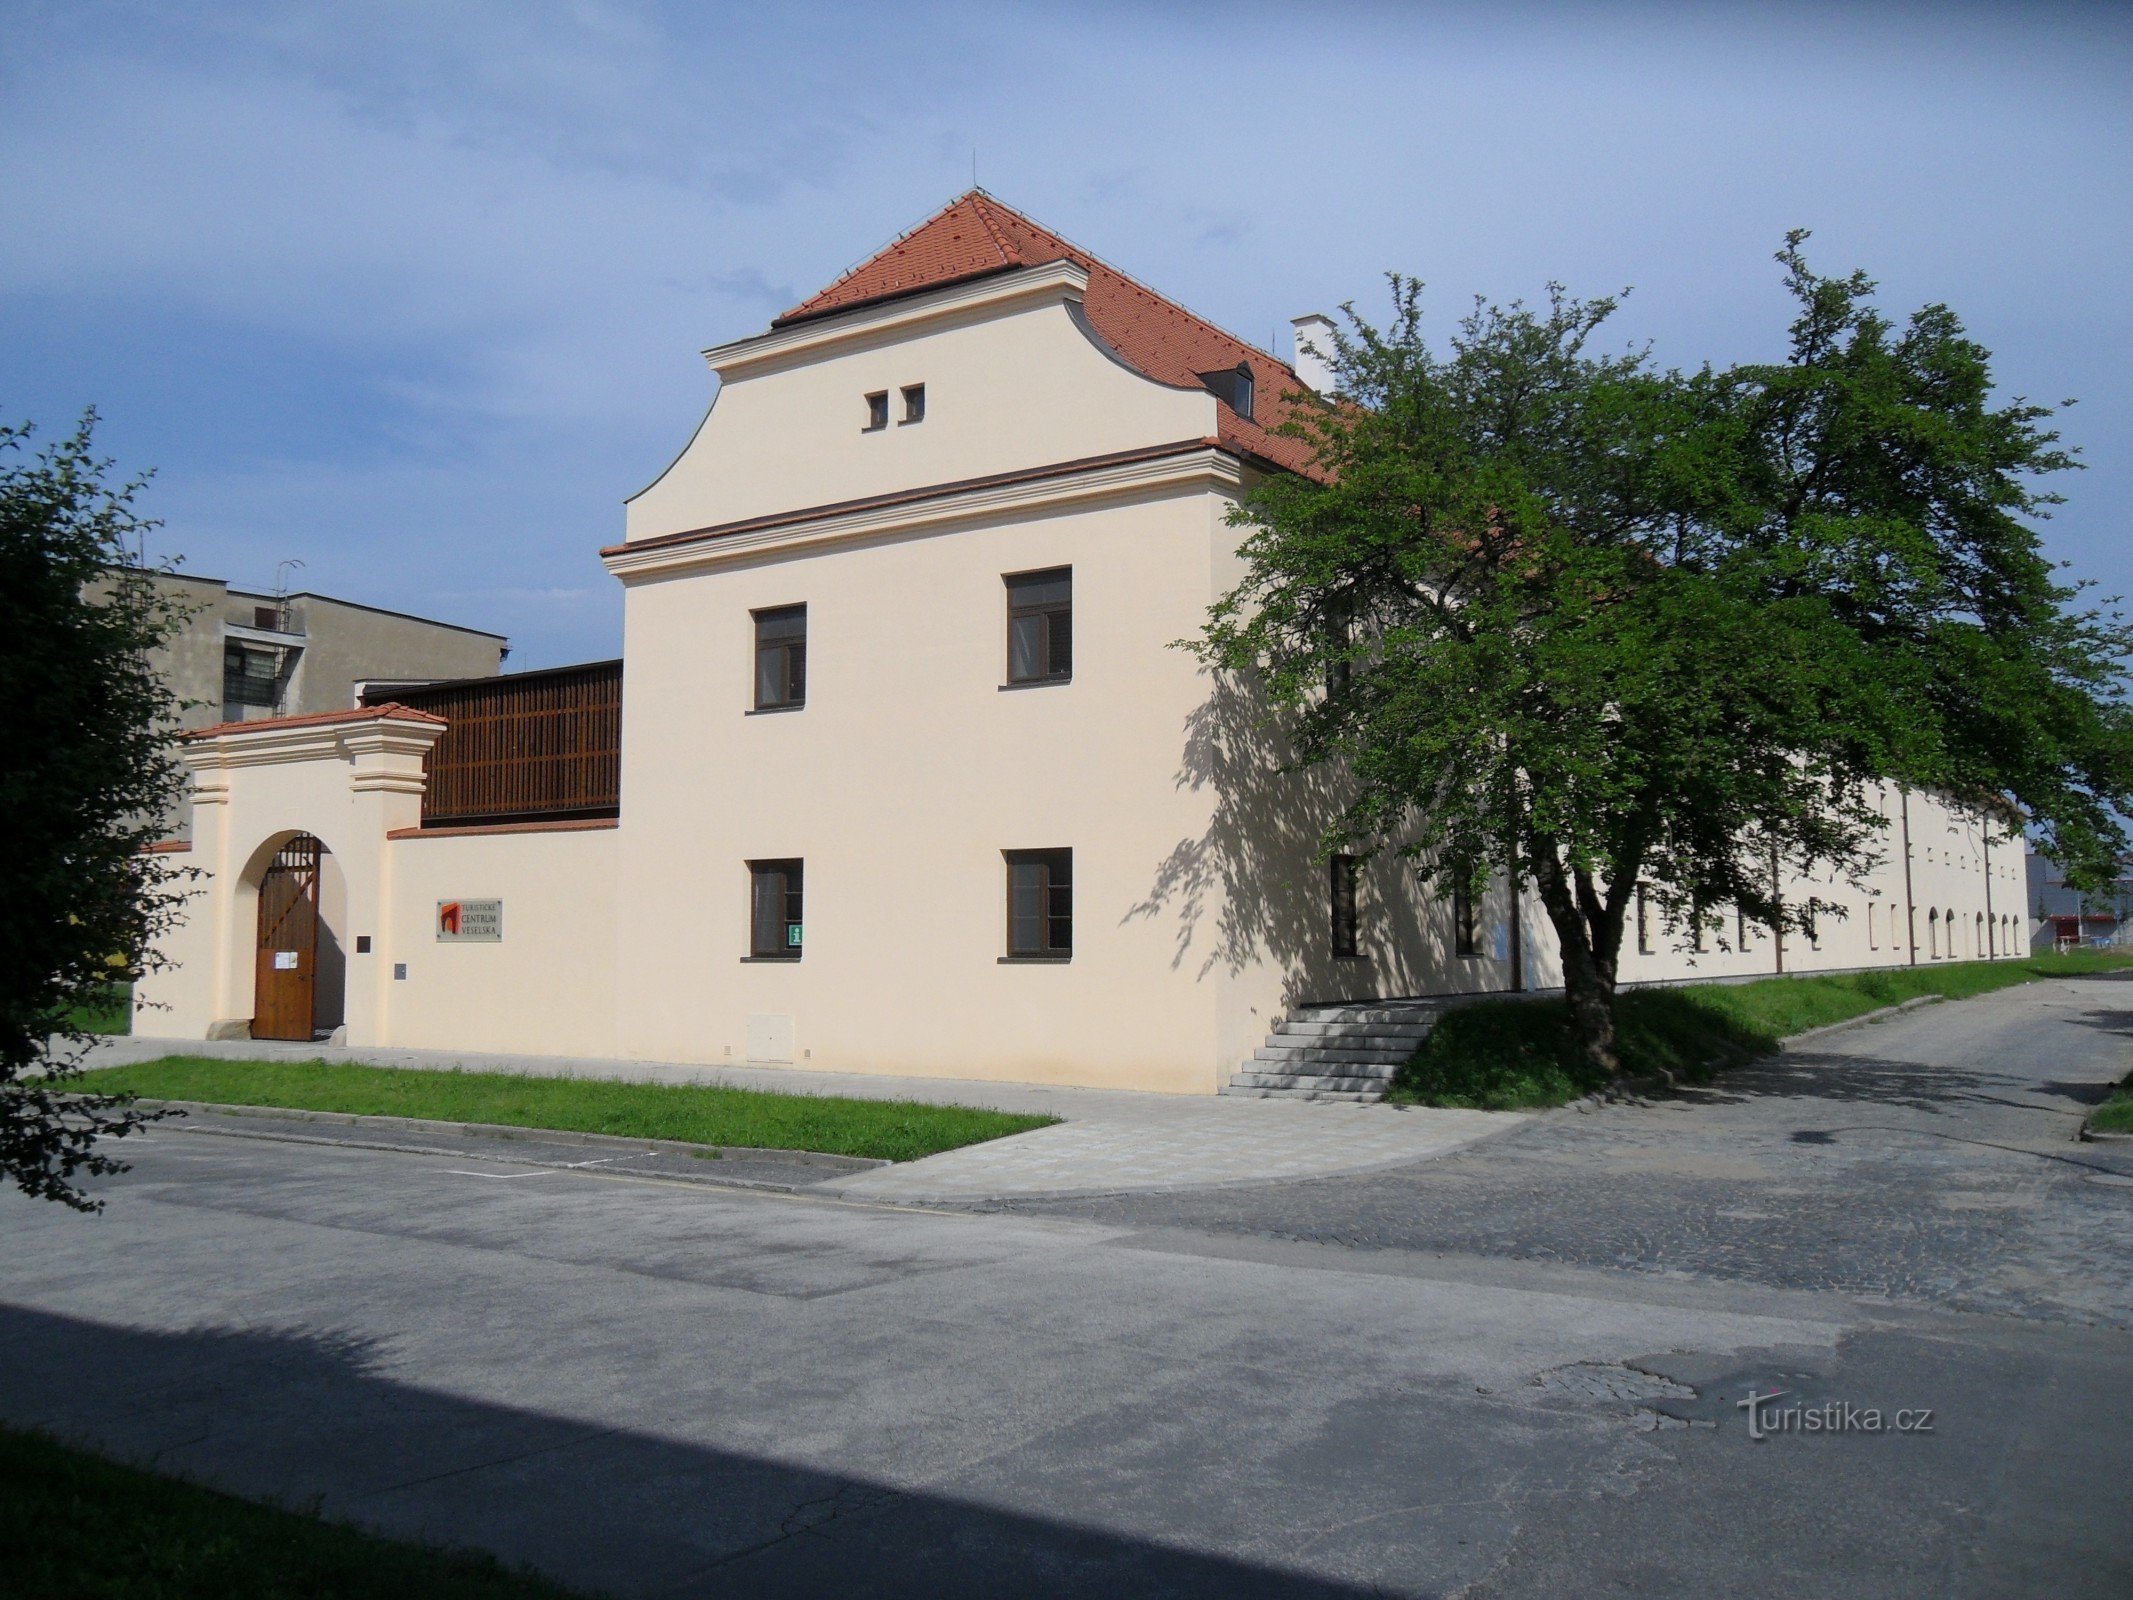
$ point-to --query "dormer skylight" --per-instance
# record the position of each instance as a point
(1233, 387)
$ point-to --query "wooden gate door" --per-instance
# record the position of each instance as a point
(286, 974)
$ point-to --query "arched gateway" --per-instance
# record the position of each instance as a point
(285, 982)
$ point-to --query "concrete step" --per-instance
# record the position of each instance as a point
(1275, 1049)
(1251, 1082)
(1422, 1011)
(1353, 1063)
(1336, 1052)
(1305, 1028)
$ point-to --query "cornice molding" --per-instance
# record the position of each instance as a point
(270, 745)
(1189, 467)
(996, 292)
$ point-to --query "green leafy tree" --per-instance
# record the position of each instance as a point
(1610, 629)
(88, 779)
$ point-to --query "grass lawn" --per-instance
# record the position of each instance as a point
(112, 1012)
(2115, 1115)
(74, 1524)
(891, 1130)
(1512, 1055)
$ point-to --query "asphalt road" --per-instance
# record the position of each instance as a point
(1514, 1370)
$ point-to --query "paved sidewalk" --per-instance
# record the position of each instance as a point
(1203, 1143)
(1109, 1140)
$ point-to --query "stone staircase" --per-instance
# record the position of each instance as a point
(1337, 1052)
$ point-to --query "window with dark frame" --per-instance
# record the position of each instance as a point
(1233, 387)
(1344, 881)
(1340, 633)
(877, 411)
(914, 402)
(1466, 920)
(1040, 626)
(781, 658)
(1040, 904)
(775, 922)
(250, 676)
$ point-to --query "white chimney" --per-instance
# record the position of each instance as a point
(1315, 352)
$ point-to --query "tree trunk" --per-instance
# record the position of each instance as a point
(1588, 978)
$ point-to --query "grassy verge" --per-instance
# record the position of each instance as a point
(892, 1130)
(1516, 1054)
(2115, 1115)
(74, 1524)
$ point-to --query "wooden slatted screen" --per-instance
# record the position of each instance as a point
(523, 747)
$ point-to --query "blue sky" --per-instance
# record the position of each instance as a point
(415, 293)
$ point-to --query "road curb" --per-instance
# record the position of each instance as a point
(1864, 1020)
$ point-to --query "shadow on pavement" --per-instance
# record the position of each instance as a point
(303, 1418)
(1869, 1080)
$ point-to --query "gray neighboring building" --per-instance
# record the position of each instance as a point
(245, 655)
(2066, 917)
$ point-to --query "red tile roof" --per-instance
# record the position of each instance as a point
(392, 711)
(975, 235)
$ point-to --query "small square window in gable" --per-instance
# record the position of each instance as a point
(877, 411)
(914, 403)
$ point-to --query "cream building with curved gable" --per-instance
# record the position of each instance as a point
(911, 778)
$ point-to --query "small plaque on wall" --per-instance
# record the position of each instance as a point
(470, 922)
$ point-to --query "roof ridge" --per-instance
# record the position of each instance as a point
(1126, 277)
(892, 242)
(980, 203)
(388, 711)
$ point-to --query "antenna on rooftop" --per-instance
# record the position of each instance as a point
(281, 589)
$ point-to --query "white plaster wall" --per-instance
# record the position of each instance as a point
(242, 814)
(548, 988)
(907, 774)
(1004, 391)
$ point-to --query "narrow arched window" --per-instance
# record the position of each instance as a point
(1933, 934)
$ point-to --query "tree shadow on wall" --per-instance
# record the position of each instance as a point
(1251, 888)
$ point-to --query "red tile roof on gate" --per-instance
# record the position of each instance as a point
(975, 235)
(392, 711)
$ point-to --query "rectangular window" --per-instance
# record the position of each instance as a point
(1040, 904)
(1344, 880)
(915, 403)
(250, 676)
(1040, 626)
(877, 411)
(774, 910)
(1873, 926)
(1339, 634)
(1466, 921)
(781, 658)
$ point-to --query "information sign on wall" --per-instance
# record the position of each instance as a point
(470, 921)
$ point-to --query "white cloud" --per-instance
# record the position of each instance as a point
(502, 231)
